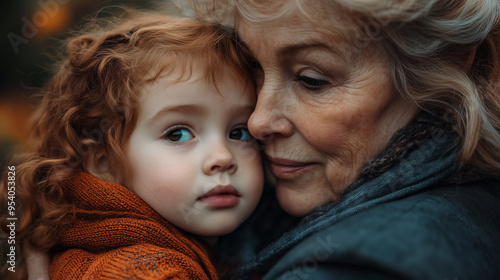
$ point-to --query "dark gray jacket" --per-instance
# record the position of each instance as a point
(448, 232)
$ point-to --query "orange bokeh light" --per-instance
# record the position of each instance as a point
(56, 21)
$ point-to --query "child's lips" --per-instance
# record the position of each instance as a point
(221, 197)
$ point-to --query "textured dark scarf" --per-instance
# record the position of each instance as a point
(418, 156)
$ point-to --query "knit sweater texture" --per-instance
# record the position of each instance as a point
(116, 235)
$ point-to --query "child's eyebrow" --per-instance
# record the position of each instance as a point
(187, 108)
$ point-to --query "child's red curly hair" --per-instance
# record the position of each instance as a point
(92, 103)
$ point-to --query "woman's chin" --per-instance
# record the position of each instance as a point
(295, 211)
(296, 202)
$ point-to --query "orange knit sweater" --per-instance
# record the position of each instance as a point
(117, 235)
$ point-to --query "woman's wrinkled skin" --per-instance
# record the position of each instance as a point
(323, 108)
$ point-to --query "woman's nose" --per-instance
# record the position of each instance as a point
(219, 160)
(271, 115)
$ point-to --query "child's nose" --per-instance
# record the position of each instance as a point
(220, 159)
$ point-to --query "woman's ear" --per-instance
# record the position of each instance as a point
(98, 165)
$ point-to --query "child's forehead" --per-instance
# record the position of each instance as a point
(194, 94)
(195, 70)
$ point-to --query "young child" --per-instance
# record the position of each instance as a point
(141, 154)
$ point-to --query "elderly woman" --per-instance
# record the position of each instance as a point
(381, 125)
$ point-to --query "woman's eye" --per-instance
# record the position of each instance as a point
(241, 134)
(312, 84)
(179, 135)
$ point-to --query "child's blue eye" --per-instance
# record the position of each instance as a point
(241, 134)
(179, 135)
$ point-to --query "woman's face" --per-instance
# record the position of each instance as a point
(324, 106)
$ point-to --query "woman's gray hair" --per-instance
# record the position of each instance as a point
(430, 45)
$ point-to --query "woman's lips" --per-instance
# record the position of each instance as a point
(221, 197)
(287, 169)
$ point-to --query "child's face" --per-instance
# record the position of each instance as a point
(192, 157)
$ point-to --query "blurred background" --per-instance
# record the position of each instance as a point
(30, 30)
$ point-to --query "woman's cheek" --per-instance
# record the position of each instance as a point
(326, 139)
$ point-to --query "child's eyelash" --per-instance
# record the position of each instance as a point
(178, 134)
